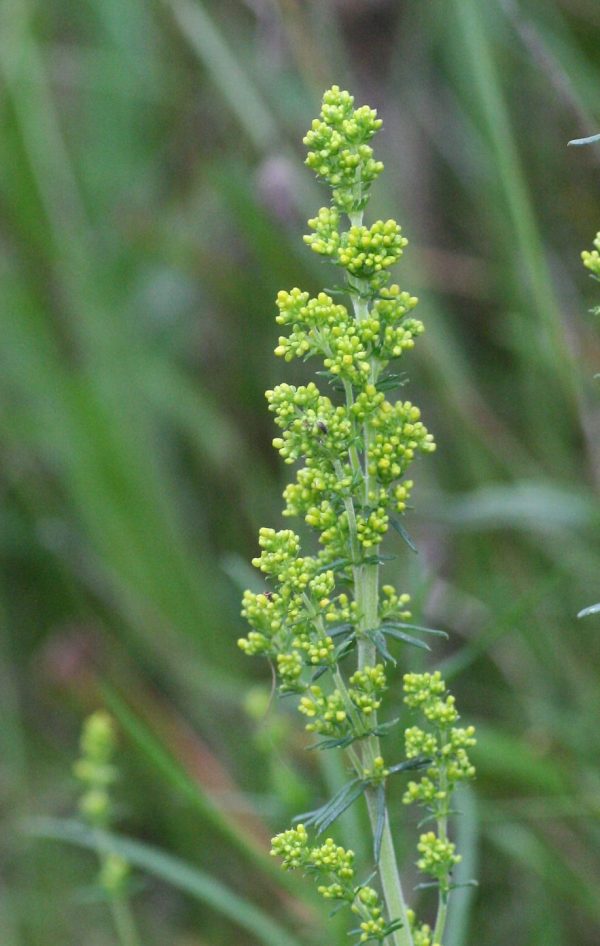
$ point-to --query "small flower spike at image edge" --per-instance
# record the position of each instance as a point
(591, 261)
(353, 447)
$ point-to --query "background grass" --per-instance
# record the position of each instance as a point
(152, 201)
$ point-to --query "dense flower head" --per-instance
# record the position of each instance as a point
(438, 855)
(394, 605)
(366, 253)
(312, 426)
(292, 846)
(367, 250)
(591, 258)
(367, 687)
(399, 434)
(265, 614)
(94, 768)
(339, 153)
(327, 714)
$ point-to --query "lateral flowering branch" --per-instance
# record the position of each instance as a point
(354, 447)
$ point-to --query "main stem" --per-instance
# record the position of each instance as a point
(366, 580)
(366, 590)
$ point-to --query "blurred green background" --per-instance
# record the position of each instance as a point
(152, 202)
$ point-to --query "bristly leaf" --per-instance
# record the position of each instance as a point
(393, 926)
(336, 629)
(379, 640)
(406, 638)
(343, 649)
(384, 728)
(392, 381)
(592, 609)
(323, 817)
(337, 909)
(409, 765)
(334, 566)
(403, 534)
(368, 880)
(341, 743)
(376, 559)
(319, 672)
(380, 824)
(427, 820)
(334, 812)
(417, 627)
(332, 379)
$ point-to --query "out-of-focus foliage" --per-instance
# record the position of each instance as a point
(152, 195)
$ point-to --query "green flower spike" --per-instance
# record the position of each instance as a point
(96, 771)
(353, 444)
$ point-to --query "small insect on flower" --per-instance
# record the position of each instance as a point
(268, 595)
(322, 427)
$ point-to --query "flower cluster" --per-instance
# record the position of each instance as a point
(95, 769)
(339, 151)
(329, 714)
(445, 747)
(333, 866)
(437, 856)
(591, 258)
(354, 446)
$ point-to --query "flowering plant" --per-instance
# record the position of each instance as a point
(355, 448)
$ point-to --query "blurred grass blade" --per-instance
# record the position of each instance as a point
(175, 774)
(507, 761)
(521, 505)
(536, 291)
(467, 841)
(552, 863)
(231, 81)
(174, 871)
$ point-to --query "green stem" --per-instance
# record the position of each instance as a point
(366, 590)
(124, 922)
(442, 830)
(351, 514)
(352, 452)
(367, 598)
(390, 877)
(352, 715)
(119, 905)
(440, 922)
